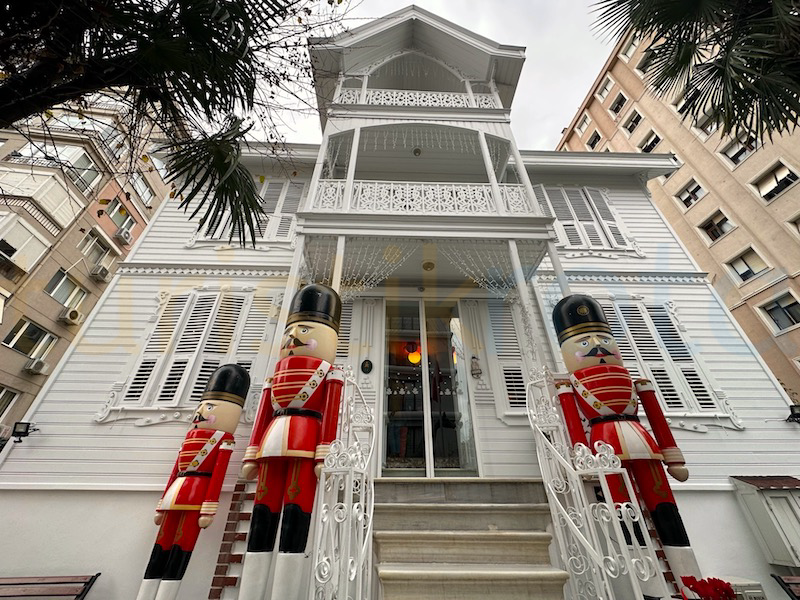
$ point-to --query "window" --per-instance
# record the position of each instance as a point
(94, 249)
(583, 217)
(112, 140)
(774, 182)
(738, 150)
(594, 140)
(65, 290)
(53, 195)
(30, 339)
(748, 265)
(605, 88)
(7, 396)
(691, 193)
(119, 214)
(76, 163)
(632, 121)
(707, 124)
(19, 242)
(784, 312)
(645, 62)
(652, 346)
(195, 334)
(618, 104)
(582, 124)
(280, 200)
(143, 190)
(629, 48)
(717, 226)
(650, 142)
(507, 352)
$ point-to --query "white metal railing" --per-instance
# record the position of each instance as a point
(423, 198)
(603, 545)
(342, 552)
(425, 98)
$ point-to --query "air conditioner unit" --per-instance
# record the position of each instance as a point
(71, 316)
(36, 366)
(99, 273)
(124, 236)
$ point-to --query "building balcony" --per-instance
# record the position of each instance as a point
(417, 98)
(423, 198)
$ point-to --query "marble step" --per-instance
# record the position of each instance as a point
(459, 490)
(475, 547)
(419, 581)
(461, 516)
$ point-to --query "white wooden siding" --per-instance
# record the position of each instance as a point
(73, 450)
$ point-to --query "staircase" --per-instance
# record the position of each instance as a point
(461, 538)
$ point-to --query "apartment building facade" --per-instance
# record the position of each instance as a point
(75, 194)
(733, 202)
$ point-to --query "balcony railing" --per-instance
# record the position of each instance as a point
(416, 98)
(423, 198)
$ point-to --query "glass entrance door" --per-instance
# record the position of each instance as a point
(429, 428)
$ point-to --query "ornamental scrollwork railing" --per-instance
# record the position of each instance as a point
(422, 98)
(342, 552)
(603, 545)
(399, 197)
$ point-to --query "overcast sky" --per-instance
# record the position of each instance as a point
(563, 57)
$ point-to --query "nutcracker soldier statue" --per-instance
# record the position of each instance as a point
(295, 424)
(192, 495)
(602, 389)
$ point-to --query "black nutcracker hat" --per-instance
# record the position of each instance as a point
(229, 383)
(578, 314)
(316, 302)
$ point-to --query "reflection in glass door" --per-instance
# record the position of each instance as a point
(428, 422)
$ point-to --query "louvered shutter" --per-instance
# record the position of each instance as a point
(188, 348)
(508, 354)
(681, 356)
(566, 224)
(629, 358)
(345, 329)
(155, 350)
(603, 210)
(291, 201)
(253, 336)
(217, 345)
(585, 217)
(656, 365)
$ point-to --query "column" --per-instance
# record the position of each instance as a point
(522, 173)
(487, 160)
(312, 190)
(468, 85)
(561, 277)
(351, 170)
(291, 288)
(364, 81)
(525, 297)
(338, 264)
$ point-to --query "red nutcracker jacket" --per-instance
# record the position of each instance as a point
(299, 410)
(607, 397)
(196, 479)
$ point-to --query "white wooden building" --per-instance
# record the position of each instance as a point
(450, 261)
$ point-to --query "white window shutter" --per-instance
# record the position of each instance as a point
(221, 334)
(585, 217)
(629, 358)
(291, 200)
(207, 367)
(140, 380)
(682, 357)
(345, 331)
(271, 196)
(564, 217)
(508, 354)
(603, 210)
(255, 325)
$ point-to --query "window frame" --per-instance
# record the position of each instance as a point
(142, 188)
(643, 63)
(65, 157)
(5, 402)
(711, 220)
(762, 310)
(755, 274)
(629, 49)
(42, 347)
(9, 220)
(755, 184)
(114, 208)
(647, 140)
(750, 144)
(608, 83)
(78, 292)
(685, 189)
(584, 117)
(596, 143)
(629, 119)
(97, 240)
(616, 114)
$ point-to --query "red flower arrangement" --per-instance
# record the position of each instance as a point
(709, 589)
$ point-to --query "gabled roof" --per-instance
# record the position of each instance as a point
(412, 27)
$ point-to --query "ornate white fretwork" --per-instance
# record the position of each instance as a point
(516, 200)
(415, 98)
(342, 552)
(330, 195)
(422, 198)
(349, 96)
(599, 542)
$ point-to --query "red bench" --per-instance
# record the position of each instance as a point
(68, 586)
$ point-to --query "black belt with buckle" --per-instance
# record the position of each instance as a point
(297, 412)
(607, 418)
(193, 474)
